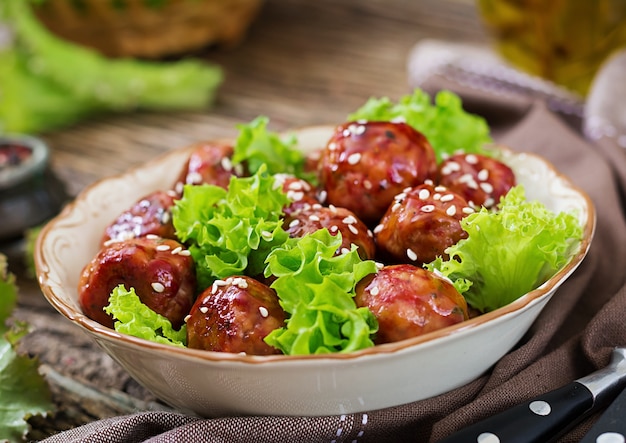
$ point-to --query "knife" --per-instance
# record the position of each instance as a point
(611, 426)
(546, 417)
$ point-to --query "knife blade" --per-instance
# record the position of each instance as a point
(611, 426)
(547, 416)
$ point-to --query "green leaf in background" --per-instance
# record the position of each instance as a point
(316, 288)
(47, 82)
(23, 391)
(510, 251)
(231, 232)
(446, 125)
(136, 319)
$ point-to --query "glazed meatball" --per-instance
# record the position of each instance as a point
(481, 180)
(364, 165)
(235, 315)
(300, 192)
(209, 163)
(150, 215)
(353, 231)
(161, 271)
(421, 223)
(409, 301)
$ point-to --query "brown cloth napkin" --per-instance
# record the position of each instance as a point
(573, 336)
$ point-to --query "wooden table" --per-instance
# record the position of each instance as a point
(302, 63)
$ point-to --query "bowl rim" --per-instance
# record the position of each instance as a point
(111, 335)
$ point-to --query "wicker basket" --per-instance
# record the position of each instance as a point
(149, 28)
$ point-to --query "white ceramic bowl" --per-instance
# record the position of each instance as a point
(212, 384)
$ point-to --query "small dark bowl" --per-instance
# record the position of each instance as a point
(30, 193)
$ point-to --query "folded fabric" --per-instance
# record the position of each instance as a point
(573, 336)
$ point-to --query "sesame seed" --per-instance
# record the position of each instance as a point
(187, 317)
(332, 146)
(440, 189)
(467, 210)
(152, 237)
(239, 282)
(176, 250)
(165, 218)
(398, 119)
(471, 159)
(194, 178)
(355, 158)
(378, 228)
(436, 196)
(267, 235)
(172, 193)
(294, 223)
(239, 169)
(334, 228)
(227, 165)
(356, 129)
(158, 287)
(163, 248)
(316, 206)
(428, 182)
(349, 220)
(369, 233)
(295, 186)
(314, 217)
(428, 208)
(295, 196)
(411, 254)
(332, 208)
(367, 184)
(487, 187)
(204, 309)
(185, 253)
(375, 291)
(447, 198)
(322, 196)
(353, 229)
(263, 311)
(483, 175)
(379, 265)
(451, 211)
(344, 251)
(401, 196)
(178, 187)
(450, 167)
(423, 194)
(489, 202)
(395, 207)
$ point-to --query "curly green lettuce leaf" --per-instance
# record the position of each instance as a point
(230, 232)
(316, 289)
(24, 392)
(510, 251)
(136, 319)
(256, 145)
(446, 125)
(53, 82)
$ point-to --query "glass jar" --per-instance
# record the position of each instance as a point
(564, 41)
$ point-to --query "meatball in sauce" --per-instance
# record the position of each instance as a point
(364, 165)
(421, 223)
(161, 271)
(235, 315)
(481, 180)
(409, 301)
